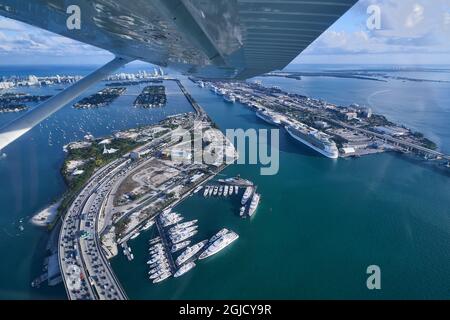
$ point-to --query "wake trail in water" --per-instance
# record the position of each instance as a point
(369, 98)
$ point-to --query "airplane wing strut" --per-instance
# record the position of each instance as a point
(22, 125)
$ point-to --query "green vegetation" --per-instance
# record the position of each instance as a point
(95, 159)
(121, 226)
(379, 120)
(428, 144)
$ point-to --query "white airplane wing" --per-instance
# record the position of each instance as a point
(234, 39)
(207, 38)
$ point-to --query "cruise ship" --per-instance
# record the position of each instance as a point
(269, 117)
(190, 252)
(213, 89)
(219, 244)
(254, 204)
(229, 98)
(248, 192)
(184, 269)
(314, 139)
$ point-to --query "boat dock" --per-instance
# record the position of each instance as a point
(233, 186)
(127, 251)
(236, 181)
(166, 244)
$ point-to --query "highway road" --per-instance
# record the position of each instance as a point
(85, 270)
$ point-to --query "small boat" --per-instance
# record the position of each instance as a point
(135, 236)
(198, 189)
(184, 269)
(177, 247)
(155, 240)
(219, 234)
(159, 275)
(162, 277)
(248, 192)
(254, 204)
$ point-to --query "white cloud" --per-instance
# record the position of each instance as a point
(416, 16)
(407, 26)
(26, 41)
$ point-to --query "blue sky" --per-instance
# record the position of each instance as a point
(412, 32)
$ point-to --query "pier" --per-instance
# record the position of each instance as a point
(167, 247)
(396, 142)
(127, 251)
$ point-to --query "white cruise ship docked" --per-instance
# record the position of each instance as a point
(219, 244)
(229, 98)
(269, 117)
(314, 139)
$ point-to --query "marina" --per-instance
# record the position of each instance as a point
(173, 252)
(174, 237)
(230, 187)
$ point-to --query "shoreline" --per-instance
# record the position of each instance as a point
(47, 216)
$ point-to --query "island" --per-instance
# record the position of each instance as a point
(100, 99)
(16, 102)
(13, 108)
(151, 97)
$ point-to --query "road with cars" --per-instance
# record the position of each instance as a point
(85, 269)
